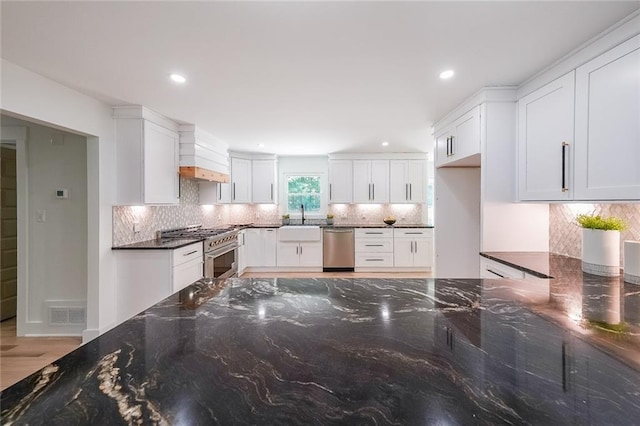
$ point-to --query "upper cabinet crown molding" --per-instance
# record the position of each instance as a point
(485, 94)
(624, 30)
(139, 111)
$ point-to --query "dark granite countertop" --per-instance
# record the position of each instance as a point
(158, 244)
(337, 351)
(164, 244)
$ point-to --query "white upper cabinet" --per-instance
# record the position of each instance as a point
(252, 181)
(458, 145)
(340, 181)
(147, 157)
(607, 125)
(371, 181)
(240, 180)
(263, 177)
(545, 141)
(407, 180)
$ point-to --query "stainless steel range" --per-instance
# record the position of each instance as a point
(220, 247)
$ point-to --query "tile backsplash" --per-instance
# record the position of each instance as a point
(189, 212)
(565, 237)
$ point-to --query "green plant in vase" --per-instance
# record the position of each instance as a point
(601, 244)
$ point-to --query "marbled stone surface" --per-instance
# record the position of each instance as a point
(335, 351)
(159, 244)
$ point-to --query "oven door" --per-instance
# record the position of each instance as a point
(221, 262)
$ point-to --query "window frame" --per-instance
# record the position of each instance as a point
(323, 201)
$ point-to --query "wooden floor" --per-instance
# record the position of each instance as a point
(22, 356)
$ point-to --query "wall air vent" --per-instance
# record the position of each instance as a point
(63, 315)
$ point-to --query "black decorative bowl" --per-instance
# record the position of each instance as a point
(389, 221)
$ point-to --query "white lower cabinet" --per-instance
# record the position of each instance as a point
(145, 277)
(413, 248)
(373, 248)
(493, 269)
(299, 254)
(261, 247)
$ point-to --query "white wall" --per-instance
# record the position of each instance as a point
(57, 248)
(36, 98)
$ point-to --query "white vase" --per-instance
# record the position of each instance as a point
(601, 252)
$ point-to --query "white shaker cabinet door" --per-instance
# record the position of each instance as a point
(340, 181)
(362, 181)
(607, 148)
(161, 165)
(545, 136)
(240, 180)
(264, 181)
(380, 181)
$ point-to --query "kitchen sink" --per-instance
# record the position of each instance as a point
(299, 233)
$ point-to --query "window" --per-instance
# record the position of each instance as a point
(303, 190)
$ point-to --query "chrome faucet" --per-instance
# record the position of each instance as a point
(302, 210)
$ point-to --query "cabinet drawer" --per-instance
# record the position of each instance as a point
(186, 274)
(187, 253)
(492, 269)
(374, 260)
(374, 233)
(374, 245)
(413, 233)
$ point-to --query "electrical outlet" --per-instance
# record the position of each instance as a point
(41, 216)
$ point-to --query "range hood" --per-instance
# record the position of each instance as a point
(203, 156)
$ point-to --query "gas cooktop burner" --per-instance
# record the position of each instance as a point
(195, 231)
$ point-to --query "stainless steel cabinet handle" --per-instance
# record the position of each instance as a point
(410, 195)
(375, 260)
(373, 192)
(300, 249)
(297, 247)
(234, 191)
(330, 198)
(191, 252)
(369, 192)
(416, 246)
(373, 233)
(373, 245)
(219, 192)
(412, 233)
(452, 153)
(271, 192)
(565, 146)
(338, 231)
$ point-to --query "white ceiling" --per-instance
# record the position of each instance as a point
(303, 78)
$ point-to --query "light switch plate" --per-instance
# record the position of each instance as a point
(41, 216)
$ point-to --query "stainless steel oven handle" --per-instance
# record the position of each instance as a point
(222, 250)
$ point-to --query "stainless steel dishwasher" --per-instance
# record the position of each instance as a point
(338, 249)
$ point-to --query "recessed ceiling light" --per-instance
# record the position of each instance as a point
(385, 143)
(260, 145)
(445, 75)
(178, 78)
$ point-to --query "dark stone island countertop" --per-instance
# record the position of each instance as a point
(336, 351)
